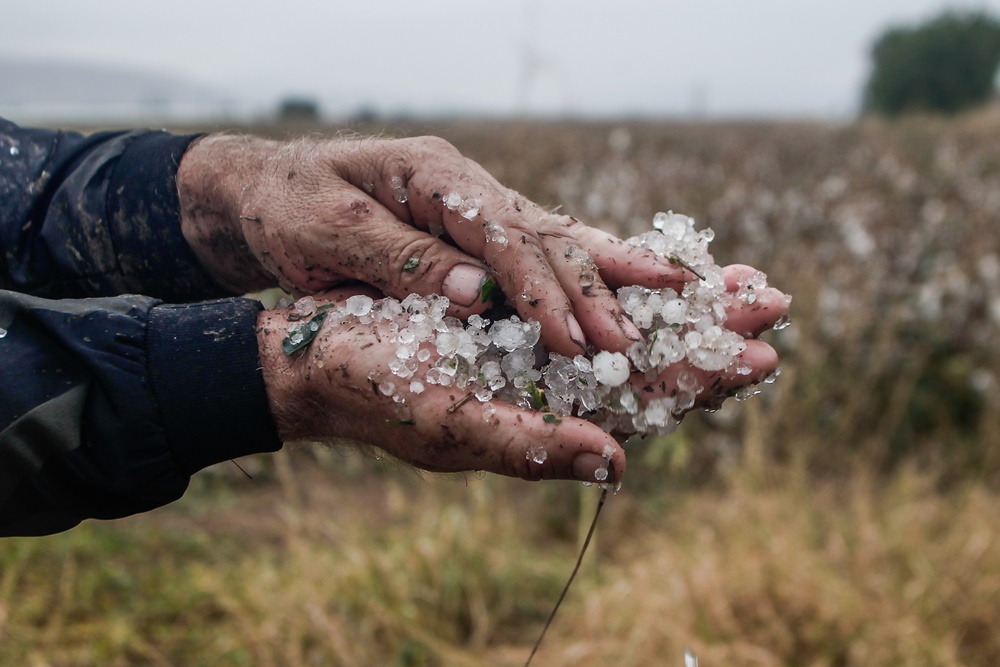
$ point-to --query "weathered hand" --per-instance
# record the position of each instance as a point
(330, 391)
(406, 216)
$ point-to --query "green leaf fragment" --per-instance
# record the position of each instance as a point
(537, 395)
(300, 335)
(550, 418)
(411, 264)
(487, 290)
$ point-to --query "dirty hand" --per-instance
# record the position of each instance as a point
(406, 216)
(330, 390)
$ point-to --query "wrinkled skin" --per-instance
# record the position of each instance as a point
(316, 215)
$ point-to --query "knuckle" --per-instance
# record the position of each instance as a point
(413, 260)
(433, 144)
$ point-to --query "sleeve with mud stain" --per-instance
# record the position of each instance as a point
(95, 215)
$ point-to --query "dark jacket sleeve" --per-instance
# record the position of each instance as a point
(95, 215)
(109, 404)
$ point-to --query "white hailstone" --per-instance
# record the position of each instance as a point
(513, 334)
(359, 304)
(469, 208)
(495, 233)
(631, 298)
(611, 368)
(398, 190)
(453, 201)
(642, 316)
(537, 454)
(447, 343)
(305, 307)
(674, 311)
(666, 349)
(629, 402)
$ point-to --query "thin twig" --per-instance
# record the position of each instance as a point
(569, 582)
(674, 259)
(460, 402)
(233, 461)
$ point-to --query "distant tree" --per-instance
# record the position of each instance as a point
(298, 110)
(945, 65)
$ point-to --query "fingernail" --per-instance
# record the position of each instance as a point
(593, 468)
(629, 329)
(462, 284)
(576, 332)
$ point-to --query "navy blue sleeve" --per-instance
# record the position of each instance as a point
(95, 215)
(108, 403)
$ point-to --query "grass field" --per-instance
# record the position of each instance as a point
(848, 516)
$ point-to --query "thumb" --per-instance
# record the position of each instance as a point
(401, 260)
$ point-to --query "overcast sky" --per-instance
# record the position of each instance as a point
(583, 57)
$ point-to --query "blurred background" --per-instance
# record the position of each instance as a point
(121, 61)
(846, 516)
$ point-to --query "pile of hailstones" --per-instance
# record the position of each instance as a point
(504, 359)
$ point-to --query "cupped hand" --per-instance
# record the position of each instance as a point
(331, 390)
(405, 216)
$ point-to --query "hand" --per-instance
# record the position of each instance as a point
(313, 214)
(330, 391)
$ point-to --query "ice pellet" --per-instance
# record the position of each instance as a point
(611, 368)
(305, 307)
(398, 190)
(537, 454)
(469, 208)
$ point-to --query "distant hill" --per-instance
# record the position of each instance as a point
(64, 90)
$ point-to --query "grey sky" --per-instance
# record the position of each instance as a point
(770, 57)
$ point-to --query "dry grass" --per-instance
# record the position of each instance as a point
(846, 517)
(377, 570)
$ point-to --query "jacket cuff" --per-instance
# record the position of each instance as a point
(204, 369)
(145, 223)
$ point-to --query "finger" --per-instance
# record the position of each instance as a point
(448, 193)
(510, 242)
(383, 251)
(507, 440)
(759, 309)
(596, 307)
(622, 264)
(758, 360)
